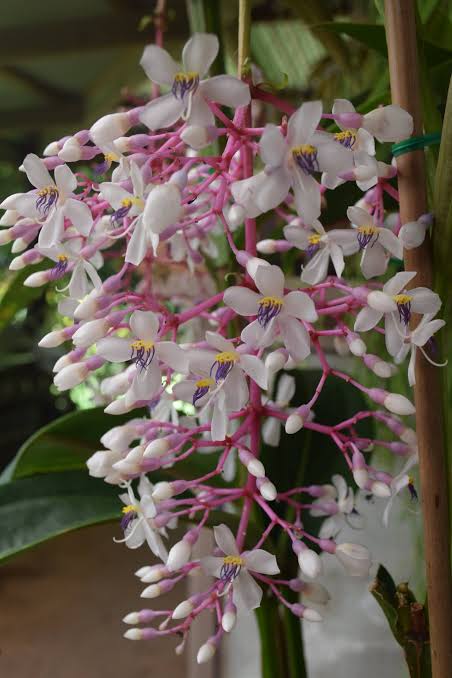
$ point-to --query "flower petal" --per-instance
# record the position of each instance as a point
(246, 594)
(137, 247)
(236, 389)
(270, 281)
(162, 112)
(254, 368)
(172, 355)
(366, 319)
(398, 282)
(225, 540)
(373, 261)
(65, 179)
(272, 146)
(424, 301)
(114, 349)
(200, 52)
(424, 331)
(242, 300)
(144, 325)
(296, 338)
(158, 65)
(226, 90)
(212, 565)
(307, 196)
(79, 214)
(261, 561)
(52, 230)
(316, 270)
(303, 122)
(147, 382)
(391, 242)
(219, 342)
(36, 171)
(337, 257)
(262, 192)
(300, 305)
(219, 424)
(200, 113)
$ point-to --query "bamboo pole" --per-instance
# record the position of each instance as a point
(400, 22)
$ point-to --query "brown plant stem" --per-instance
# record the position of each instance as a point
(405, 88)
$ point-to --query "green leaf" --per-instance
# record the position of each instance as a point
(17, 296)
(33, 510)
(63, 445)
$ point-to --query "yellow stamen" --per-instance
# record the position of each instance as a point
(370, 229)
(128, 202)
(186, 76)
(227, 357)
(62, 258)
(205, 383)
(236, 561)
(410, 480)
(47, 191)
(401, 299)
(304, 149)
(130, 508)
(314, 239)
(271, 301)
(347, 137)
(138, 344)
(111, 157)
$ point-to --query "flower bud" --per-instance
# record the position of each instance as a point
(70, 376)
(398, 404)
(316, 592)
(267, 489)
(156, 448)
(198, 136)
(90, 332)
(152, 573)
(206, 652)
(308, 560)
(253, 465)
(182, 610)
(9, 218)
(37, 279)
(409, 437)
(53, 339)
(229, 617)
(235, 216)
(109, 127)
(276, 360)
(297, 419)
(380, 489)
(359, 468)
(132, 618)
(162, 491)
(355, 344)
(133, 634)
(179, 555)
(71, 151)
(305, 612)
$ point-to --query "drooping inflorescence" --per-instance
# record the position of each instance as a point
(133, 232)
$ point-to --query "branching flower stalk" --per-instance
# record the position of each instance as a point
(132, 252)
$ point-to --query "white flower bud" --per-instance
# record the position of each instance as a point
(275, 361)
(182, 610)
(152, 591)
(19, 245)
(312, 615)
(398, 404)
(383, 369)
(235, 216)
(142, 571)
(294, 423)
(361, 477)
(268, 490)
(228, 620)
(179, 178)
(119, 406)
(380, 489)
(131, 618)
(36, 279)
(205, 652)
(409, 437)
(266, 246)
(71, 151)
(179, 555)
(197, 136)
(17, 264)
(357, 347)
(90, 332)
(70, 376)
(52, 339)
(9, 218)
(156, 448)
(256, 468)
(133, 634)
(64, 361)
(51, 149)
(162, 491)
(310, 563)
(88, 307)
(109, 127)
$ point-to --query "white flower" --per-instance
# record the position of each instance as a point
(398, 483)
(320, 247)
(234, 568)
(143, 349)
(338, 509)
(417, 339)
(413, 233)
(271, 429)
(51, 202)
(230, 365)
(290, 162)
(162, 208)
(396, 305)
(276, 312)
(375, 242)
(137, 521)
(386, 123)
(83, 272)
(189, 94)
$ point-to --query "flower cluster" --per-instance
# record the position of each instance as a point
(134, 231)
